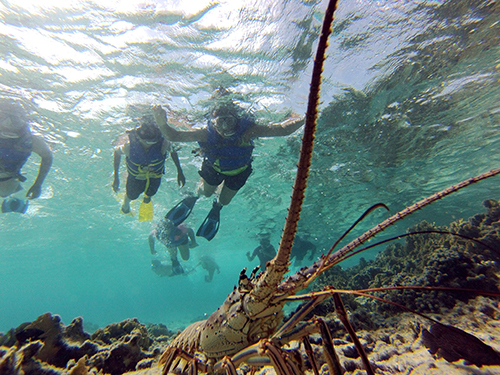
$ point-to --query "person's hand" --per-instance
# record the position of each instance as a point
(34, 191)
(159, 113)
(193, 244)
(181, 179)
(116, 184)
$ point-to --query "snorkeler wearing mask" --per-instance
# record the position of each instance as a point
(16, 145)
(227, 145)
(145, 153)
(179, 238)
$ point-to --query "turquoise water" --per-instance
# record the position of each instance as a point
(409, 106)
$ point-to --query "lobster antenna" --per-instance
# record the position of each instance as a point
(283, 255)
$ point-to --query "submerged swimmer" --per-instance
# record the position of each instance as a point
(164, 268)
(145, 153)
(209, 264)
(175, 238)
(265, 251)
(16, 146)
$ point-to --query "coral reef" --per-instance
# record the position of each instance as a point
(430, 259)
(46, 346)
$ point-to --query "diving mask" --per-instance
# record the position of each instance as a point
(11, 127)
(226, 125)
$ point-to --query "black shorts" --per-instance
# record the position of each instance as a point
(214, 178)
(136, 187)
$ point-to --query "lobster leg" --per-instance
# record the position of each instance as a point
(277, 358)
(331, 356)
(315, 326)
(229, 366)
(193, 367)
(342, 314)
(310, 354)
(287, 333)
(174, 354)
(291, 324)
(168, 357)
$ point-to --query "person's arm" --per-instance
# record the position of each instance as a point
(151, 240)
(181, 179)
(192, 237)
(254, 254)
(174, 135)
(117, 157)
(41, 149)
(281, 129)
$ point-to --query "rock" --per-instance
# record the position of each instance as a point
(47, 347)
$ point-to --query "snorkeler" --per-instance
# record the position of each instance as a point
(16, 146)
(173, 237)
(265, 251)
(227, 145)
(145, 151)
(164, 268)
(300, 248)
(209, 264)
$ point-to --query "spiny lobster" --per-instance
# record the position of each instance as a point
(246, 328)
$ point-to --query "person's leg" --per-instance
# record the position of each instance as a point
(210, 180)
(176, 266)
(232, 184)
(154, 184)
(210, 276)
(204, 188)
(184, 250)
(172, 252)
(133, 189)
(226, 195)
(126, 204)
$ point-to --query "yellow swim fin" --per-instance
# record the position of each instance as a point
(146, 211)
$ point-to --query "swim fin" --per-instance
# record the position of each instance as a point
(182, 210)
(146, 211)
(14, 205)
(208, 229)
(176, 267)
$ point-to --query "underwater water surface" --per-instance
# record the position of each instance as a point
(409, 106)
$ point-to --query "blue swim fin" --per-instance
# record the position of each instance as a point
(14, 205)
(208, 229)
(181, 210)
